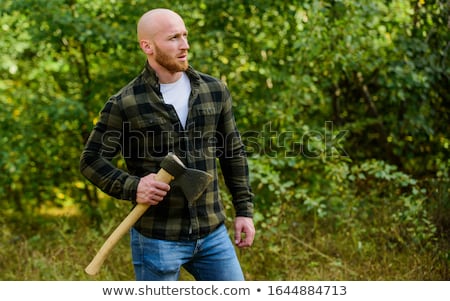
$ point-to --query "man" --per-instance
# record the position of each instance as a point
(170, 107)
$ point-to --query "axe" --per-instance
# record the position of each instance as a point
(171, 168)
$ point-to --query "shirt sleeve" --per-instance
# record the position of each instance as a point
(233, 161)
(103, 145)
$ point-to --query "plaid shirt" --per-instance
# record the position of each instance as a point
(138, 124)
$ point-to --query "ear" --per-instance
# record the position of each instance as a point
(146, 46)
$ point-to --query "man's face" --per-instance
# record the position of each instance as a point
(170, 45)
(172, 53)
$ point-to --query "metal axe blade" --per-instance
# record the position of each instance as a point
(192, 182)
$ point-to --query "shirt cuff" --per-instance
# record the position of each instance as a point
(244, 208)
(130, 188)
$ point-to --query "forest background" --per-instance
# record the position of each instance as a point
(343, 107)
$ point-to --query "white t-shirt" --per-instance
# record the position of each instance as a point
(177, 94)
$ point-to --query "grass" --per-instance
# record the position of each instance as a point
(58, 246)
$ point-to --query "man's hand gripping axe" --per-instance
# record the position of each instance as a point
(192, 182)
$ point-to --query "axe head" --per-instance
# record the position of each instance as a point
(192, 182)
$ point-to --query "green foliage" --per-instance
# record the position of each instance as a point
(343, 106)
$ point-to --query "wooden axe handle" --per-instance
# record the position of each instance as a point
(94, 267)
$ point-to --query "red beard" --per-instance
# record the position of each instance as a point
(170, 63)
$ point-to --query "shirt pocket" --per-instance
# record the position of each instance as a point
(156, 123)
(151, 137)
(205, 119)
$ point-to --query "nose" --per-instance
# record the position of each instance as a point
(184, 43)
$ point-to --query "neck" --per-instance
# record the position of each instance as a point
(165, 76)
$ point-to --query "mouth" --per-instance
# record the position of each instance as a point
(183, 57)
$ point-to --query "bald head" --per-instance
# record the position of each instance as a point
(154, 21)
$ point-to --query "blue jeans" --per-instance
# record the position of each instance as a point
(211, 258)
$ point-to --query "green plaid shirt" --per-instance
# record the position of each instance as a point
(136, 123)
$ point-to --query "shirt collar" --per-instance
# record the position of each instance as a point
(152, 79)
